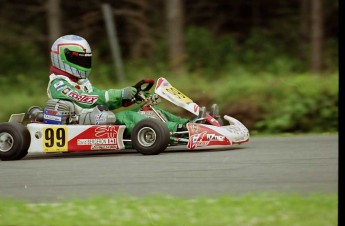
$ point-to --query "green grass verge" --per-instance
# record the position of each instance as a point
(253, 209)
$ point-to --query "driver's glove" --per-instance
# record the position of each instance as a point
(128, 93)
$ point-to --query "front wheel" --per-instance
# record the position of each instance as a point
(14, 141)
(150, 136)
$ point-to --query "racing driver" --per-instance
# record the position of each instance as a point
(71, 65)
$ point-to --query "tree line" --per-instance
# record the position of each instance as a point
(178, 31)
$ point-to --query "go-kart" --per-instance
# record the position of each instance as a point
(149, 137)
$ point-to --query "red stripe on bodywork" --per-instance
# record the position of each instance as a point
(159, 82)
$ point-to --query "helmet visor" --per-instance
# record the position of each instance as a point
(78, 58)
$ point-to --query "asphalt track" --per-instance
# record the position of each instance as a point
(299, 164)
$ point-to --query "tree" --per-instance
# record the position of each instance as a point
(54, 20)
(304, 28)
(175, 22)
(316, 36)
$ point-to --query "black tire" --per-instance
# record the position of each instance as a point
(14, 141)
(150, 136)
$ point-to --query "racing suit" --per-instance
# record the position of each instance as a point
(85, 96)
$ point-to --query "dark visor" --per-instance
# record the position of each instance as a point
(78, 58)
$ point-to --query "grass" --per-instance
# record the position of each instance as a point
(252, 209)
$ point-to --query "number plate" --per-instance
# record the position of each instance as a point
(55, 139)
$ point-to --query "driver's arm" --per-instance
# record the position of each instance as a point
(112, 98)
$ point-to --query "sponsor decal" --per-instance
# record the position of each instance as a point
(214, 137)
(197, 140)
(96, 141)
(100, 118)
(178, 94)
(104, 147)
(58, 84)
(61, 88)
(51, 112)
(106, 131)
(52, 117)
(194, 128)
(97, 138)
(82, 98)
(201, 136)
(66, 90)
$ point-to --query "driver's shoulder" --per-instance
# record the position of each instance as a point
(58, 84)
(59, 80)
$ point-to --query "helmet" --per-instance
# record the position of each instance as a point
(72, 54)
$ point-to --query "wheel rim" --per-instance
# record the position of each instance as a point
(6, 142)
(146, 136)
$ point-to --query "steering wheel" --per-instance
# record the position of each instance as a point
(143, 85)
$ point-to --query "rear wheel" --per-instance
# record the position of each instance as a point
(150, 136)
(14, 141)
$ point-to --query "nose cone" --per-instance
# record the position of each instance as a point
(239, 133)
